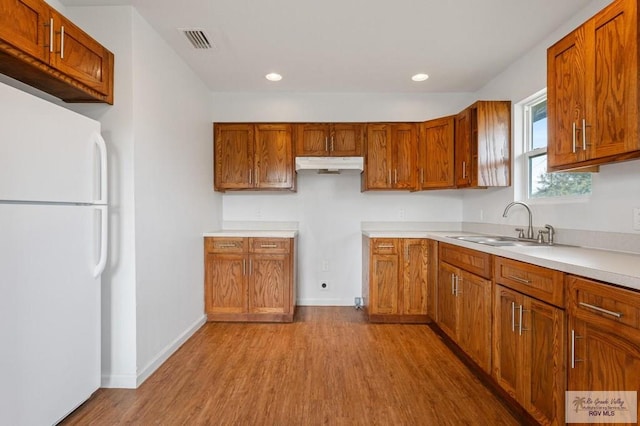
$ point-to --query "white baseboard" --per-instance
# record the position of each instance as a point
(115, 381)
(326, 302)
(164, 354)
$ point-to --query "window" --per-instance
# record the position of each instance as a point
(541, 184)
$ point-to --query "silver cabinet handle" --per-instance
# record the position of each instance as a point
(601, 310)
(513, 317)
(396, 176)
(331, 143)
(573, 137)
(520, 328)
(384, 246)
(268, 245)
(326, 143)
(422, 176)
(453, 285)
(62, 42)
(573, 349)
(244, 267)
(520, 280)
(250, 266)
(458, 285)
(464, 170)
(584, 134)
(389, 176)
(226, 245)
(50, 25)
(250, 176)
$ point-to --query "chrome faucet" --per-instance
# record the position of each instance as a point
(530, 228)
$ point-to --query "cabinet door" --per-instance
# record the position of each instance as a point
(225, 283)
(463, 148)
(404, 156)
(435, 154)
(544, 361)
(378, 158)
(384, 284)
(474, 327)
(346, 139)
(447, 300)
(491, 144)
(274, 156)
(415, 272)
(602, 360)
(269, 283)
(613, 113)
(312, 140)
(233, 156)
(566, 99)
(507, 348)
(81, 57)
(25, 25)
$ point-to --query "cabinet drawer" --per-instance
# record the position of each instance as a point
(474, 261)
(384, 246)
(225, 245)
(535, 281)
(602, 303)
(270, 245)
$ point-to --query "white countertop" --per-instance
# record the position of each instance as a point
(604, 265)
(245, 233)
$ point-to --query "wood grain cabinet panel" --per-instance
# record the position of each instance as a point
(593, 93)
(483, 145)
(465, 300)
(329, 139)
(603, 335)
(528, 353)
(391, 156)
(436, 151)
(253, 157)
(395, 275)
(250, 279)
(42, 48)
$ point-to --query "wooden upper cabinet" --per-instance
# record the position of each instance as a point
(325, 139)
(253, 156)
(24, 25)
(436, 154)
(233, 162)
(592, 84)
(42, 48)
(81, 57)
(274, 156)
(391, 154)
(483, 145)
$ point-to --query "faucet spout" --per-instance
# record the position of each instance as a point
(530, 228)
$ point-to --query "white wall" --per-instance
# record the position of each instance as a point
(616, 188)
(159, 136)
(174, 198)
(330, 208)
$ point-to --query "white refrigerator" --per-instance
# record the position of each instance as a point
(53, 248)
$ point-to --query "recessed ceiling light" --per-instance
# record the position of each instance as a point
(273, 76)
(420, 77)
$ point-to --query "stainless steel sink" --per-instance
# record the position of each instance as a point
(498, 241)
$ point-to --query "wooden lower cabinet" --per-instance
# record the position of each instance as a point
(604, 337)
(464, 312)
(528, 353)
(249, 279)
(395, 272)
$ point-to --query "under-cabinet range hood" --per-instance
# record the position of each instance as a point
(329, 164)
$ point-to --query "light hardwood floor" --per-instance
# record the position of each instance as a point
(329, 367)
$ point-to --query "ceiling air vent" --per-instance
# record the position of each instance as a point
(198, 38)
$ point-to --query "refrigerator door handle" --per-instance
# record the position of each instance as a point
(102, 149)
(104, 235)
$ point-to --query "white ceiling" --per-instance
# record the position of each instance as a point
(352, 45)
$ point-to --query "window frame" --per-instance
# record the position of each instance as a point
(525, 109)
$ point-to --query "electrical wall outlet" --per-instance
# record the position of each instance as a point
(324, 285)
(636, 218)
